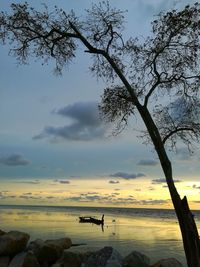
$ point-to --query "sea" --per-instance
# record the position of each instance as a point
(153, 232)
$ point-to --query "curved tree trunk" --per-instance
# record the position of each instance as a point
(186, 220)
(191, 241)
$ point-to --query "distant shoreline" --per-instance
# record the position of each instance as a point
(87, 207)
(93, 207)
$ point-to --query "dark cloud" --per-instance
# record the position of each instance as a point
(115, 194)
(195, 186)
(91, 193)
(75, 198)
(114, 199)
(160, 181)
(127, 176)
(153, 202)
(14, 160)
(113, 182)
(62, 181)
(91, 196)
(25, 196)
(29, 182)
(5, 195)
(126, 200)
(85, 126)
(148, 162)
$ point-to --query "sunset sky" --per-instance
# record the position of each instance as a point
(54, 149)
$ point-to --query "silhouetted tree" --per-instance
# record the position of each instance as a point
(158, 78)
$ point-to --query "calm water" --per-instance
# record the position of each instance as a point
(153, 232)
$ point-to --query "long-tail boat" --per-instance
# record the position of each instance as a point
(91, 220)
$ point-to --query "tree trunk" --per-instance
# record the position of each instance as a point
(187, 224)
(191, 241)
(188, 228)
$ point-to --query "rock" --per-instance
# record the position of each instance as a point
(136, 259)
(49, 251)
(4, 261)
(74, 256)
(69, 258)
(83, 251)
(2, 232)
(63, 243)
(43, 252)
(171, 262)
(106, 257)
(13, 242)
(24, 259)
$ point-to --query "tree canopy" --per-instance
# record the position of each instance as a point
(162, 71)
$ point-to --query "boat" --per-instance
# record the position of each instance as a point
(91, 220)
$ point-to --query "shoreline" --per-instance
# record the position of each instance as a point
(156, 235)
(90, 207)
(16, 250)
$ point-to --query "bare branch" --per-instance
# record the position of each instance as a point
(176, 131)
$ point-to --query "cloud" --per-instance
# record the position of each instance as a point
(160, 181)
(127, 176)
(62, 181)
(113, 182)
(153, 202)
(115, 194)
(14, 160)
(85, 126)
(25, 196)
(89, 193)
(29, 182)
(148, 162)
(114, 199)
(85, 198)
(195, 186)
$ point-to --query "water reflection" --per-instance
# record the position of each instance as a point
(157, 238)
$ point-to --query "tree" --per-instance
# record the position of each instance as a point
(158, 78)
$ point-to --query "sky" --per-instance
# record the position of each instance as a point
(54, 148)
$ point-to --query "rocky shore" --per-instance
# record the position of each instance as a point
(17, 251)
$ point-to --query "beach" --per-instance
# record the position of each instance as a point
(150, 231)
